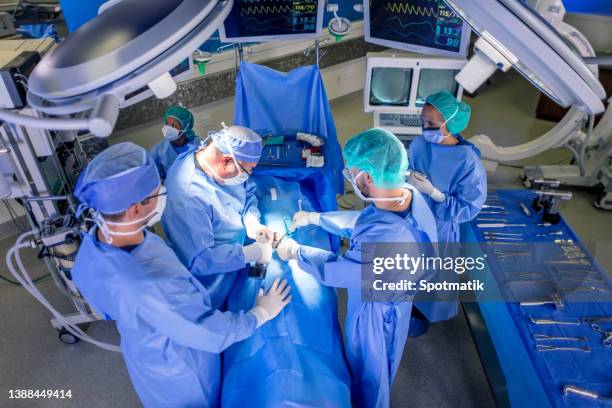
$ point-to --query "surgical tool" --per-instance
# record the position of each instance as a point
(546, 234)
(581, 279)
(538, 321)
(586, 289)
(547, 347)
(500, 225)
(580, 261)
(495, 212)
(554, 300)
(503, 233)
(497, 238)
(596, 319)
(581, 392)
(492, 219)
(607, 335)
(498, 207)
(538, 336)
(525, 210)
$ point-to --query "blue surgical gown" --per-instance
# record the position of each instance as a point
(203, 223)
(455, 170)
(165, 153)
(171, 337)
(376, 332)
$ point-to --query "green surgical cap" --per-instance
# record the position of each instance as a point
(381, 154)
(456, 114)
(183, 115)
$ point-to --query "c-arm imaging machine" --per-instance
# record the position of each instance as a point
(551, 54)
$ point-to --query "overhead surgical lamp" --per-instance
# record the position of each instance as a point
(513, 34)
(130, 45)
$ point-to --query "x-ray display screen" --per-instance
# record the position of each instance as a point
(390, 86)
(435, 80)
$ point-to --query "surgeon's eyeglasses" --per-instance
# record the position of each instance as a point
(162, 192)
(250, 173)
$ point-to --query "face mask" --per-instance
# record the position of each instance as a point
(353, 180)
(434, 135)
(171, 133)
(151, 219)
(240, 178)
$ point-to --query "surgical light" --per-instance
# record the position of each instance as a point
(132, 44)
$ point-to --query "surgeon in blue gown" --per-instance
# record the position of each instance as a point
(447, 169)
(376, 332)
(179, 137)
(171, 337)
(212, 209)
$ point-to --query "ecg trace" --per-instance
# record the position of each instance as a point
(259, 10)
(410, 9)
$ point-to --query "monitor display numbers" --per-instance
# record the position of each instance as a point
(265, 20)
(422, 23)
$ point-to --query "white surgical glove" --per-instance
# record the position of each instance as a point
(258, 252)
(267, 307)
(421, 183)
(287, 249)
(264, 234)
(305, 218)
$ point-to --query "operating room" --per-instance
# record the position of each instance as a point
(191, 191)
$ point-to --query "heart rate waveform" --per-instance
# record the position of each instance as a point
(403, 8)
(421, 23)
(257, 19)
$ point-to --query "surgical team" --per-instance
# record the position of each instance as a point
(168, 296)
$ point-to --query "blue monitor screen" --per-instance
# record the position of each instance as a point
(425, 24)
(261, 20)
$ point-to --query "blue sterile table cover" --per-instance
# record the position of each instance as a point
(297, 359)
(284, 104)
(534, 378)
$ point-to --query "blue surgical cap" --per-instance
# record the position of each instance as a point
(119, 177)
(184, 117)
(244, 143)
(456, 114)
(381, 154)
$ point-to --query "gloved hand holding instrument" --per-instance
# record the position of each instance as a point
(421, 183)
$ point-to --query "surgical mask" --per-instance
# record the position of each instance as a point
(434, 135)
(171, 133)
(151, 219)
(348, 175)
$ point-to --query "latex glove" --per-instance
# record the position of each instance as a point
(268, 306)
(258, 252)
(305, 218)
(421, 183)
(265, 234)
(287, 249)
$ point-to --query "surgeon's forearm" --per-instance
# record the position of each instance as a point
(212, 333)
(339, 223)
(315, 261)
(454, 209)
(219, 259)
